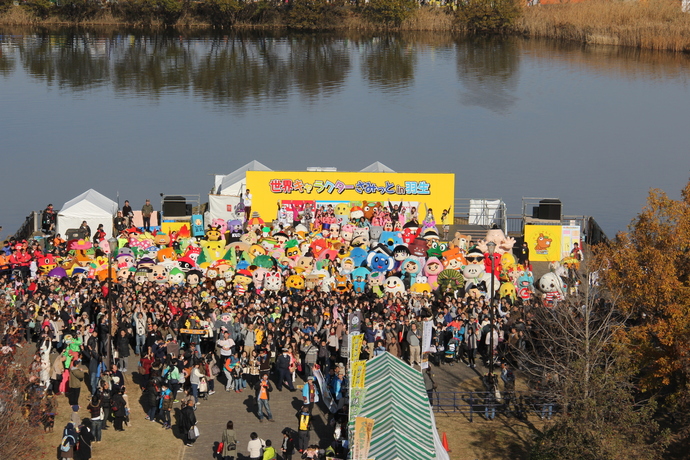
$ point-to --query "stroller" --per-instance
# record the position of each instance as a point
(452, 350)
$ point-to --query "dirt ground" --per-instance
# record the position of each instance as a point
(501, 439)
(143, 440)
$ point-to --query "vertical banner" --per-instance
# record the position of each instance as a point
(325, 394)
(357, 401)
(355, 322)
(427, 335)
(359, 370)
(362, 440)
(355, 346)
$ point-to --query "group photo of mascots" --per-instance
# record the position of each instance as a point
(374, 248)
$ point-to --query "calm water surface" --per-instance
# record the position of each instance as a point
(142, 114)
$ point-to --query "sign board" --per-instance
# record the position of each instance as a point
(551, 243)
(544, 242)
(362, 439)
(193, 331)
(355, 346)
(359, 370)
(420, 191)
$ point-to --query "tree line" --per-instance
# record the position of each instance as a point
(493, 16)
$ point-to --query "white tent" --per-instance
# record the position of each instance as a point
(91, 207)
(377, 166)
(235, 182)
(485, 212)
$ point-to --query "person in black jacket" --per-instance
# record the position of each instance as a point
(288, 445)
(283, 368)
(123, 340)
(187, 421)
(104, 394)
(86, 438)
(117, 405)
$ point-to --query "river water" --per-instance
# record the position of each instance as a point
(141, 114)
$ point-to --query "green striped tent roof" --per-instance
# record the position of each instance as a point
(397, 401)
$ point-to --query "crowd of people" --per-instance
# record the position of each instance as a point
(184, 336)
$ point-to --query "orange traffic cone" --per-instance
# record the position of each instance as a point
(444, 441)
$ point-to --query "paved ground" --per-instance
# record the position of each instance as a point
(213, 414)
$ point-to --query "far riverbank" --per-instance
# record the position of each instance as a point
(653, 24)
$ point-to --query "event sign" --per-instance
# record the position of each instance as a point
(551, 243)
(357, 396)
(544, 242)
(355, 346)
(569, 236)
(359, 370)
(321, 188)
(362, 440)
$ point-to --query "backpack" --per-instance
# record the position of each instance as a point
(66, 444)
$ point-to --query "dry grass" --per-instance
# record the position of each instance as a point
(652, 24)
(501, 439)
(17, 16)
(143, 440)
(429, 19)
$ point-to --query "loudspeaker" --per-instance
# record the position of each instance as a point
(174, 206)
(550, 209)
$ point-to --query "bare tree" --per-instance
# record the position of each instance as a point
(19, 404)
(576, 363)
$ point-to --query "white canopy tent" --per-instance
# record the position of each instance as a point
(234, 183)
(377, 166)
(91, 207)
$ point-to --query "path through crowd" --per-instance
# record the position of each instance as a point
(213, 414)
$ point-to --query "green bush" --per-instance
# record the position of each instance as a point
(390, 12)
(220, 13)
(313, 14)
(78, 10)
(488, 16)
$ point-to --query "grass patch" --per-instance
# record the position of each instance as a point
(503, 438)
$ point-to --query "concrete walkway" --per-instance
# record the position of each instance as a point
(213, 414)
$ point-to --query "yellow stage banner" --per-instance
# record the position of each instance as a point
(362, 441)
(544, 242)
(359, 372)
(409, 192)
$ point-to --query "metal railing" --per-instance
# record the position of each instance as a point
(485, 405)
(29, 227)
(515, 225)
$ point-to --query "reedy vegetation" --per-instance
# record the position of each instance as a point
(651, 24)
